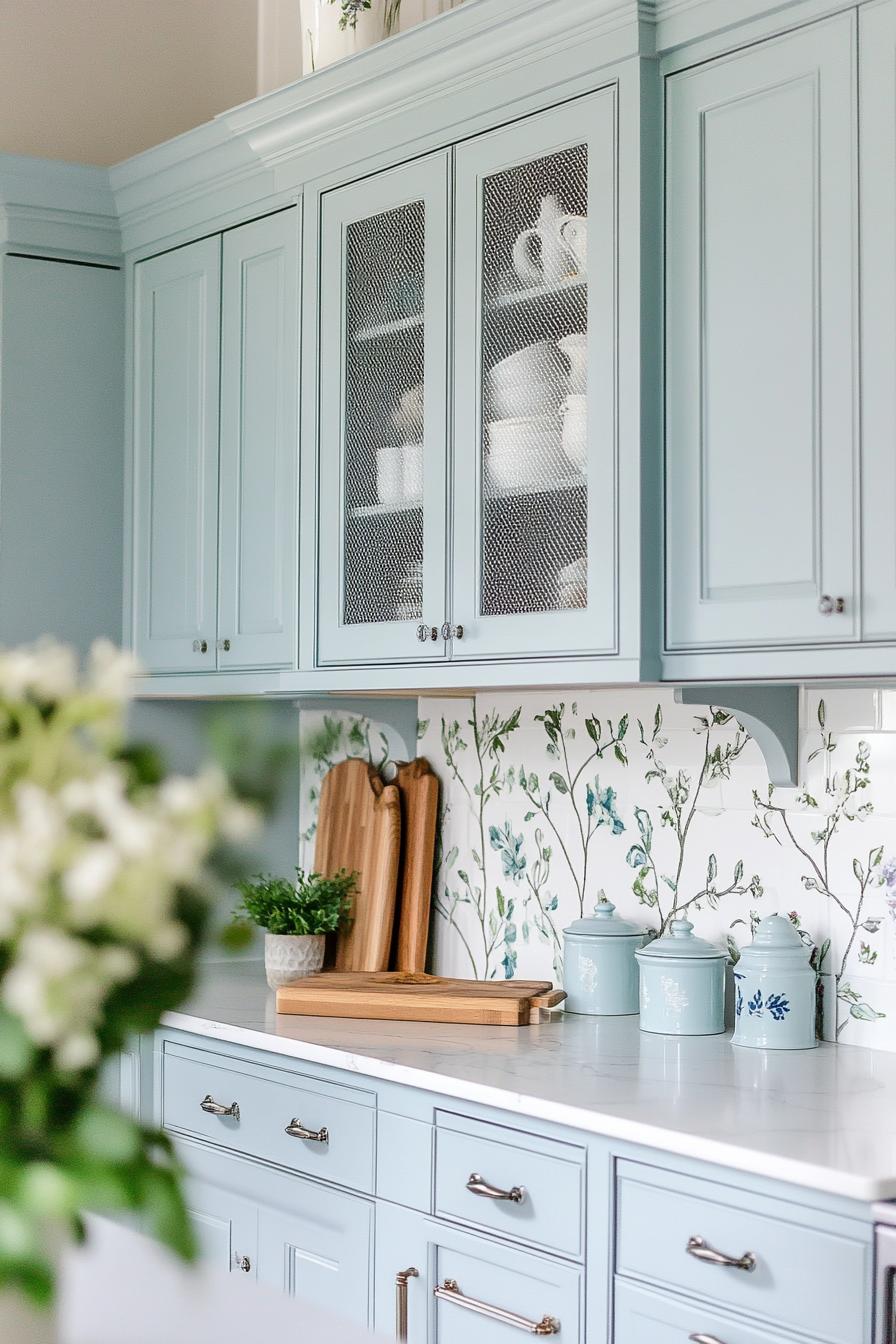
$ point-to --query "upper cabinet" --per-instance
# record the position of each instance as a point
(534, 391)
(215, 398)
(877, 164)
(761, 372)
(383, 422)
(512, 552)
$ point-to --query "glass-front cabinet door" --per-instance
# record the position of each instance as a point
(382, 550)
(535, 403)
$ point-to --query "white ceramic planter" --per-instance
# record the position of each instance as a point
(21, 1322)
(291, 956)
(323, 42)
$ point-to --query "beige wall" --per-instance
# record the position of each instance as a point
(94, 81)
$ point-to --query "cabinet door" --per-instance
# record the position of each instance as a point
(382, 450)
(535, 504)
(877, 38)
(318, 1247)
(487, 1293)
(177, 318)
(257, 552)
(761, 458)
(225, 1226)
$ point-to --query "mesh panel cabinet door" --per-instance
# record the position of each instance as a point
(535, 503)
(383, 422)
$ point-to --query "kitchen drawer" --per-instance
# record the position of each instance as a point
(807, 1276)
(645, 1317)
(499, 1280)
(268, 1101)
(549, 1176)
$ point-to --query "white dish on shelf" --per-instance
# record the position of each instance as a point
(524, 452)
(530, 382)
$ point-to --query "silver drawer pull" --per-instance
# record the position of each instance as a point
(296, 1130)
(242, 1262)
(450, 1292)
(401, 1302)
(698, 1248)
(704, 1339)
(212, 1107)
(477, 1186)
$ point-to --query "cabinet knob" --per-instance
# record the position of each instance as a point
(828, 605)
(223, 645)
(200, 646)
(242, 1262)
(425, 632)
(450, 631)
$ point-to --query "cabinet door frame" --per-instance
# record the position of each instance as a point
(272, 236)
(590, 120)
(198, 262)
(427, 180)
(825, 54)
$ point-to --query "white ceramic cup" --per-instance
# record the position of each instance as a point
(390, 474)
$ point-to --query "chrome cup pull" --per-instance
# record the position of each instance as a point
(478, 1186)
(212, 1107)
(296, 1130)
(401, 1301)
(242, 1262)
(699, 1249)
(449, 1291)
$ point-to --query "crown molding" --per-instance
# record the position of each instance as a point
(56, 207)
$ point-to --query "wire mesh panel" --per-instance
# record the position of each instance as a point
(384, 417)
(534, 497)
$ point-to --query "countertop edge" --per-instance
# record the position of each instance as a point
(865, 1190)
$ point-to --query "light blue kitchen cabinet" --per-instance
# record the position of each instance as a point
(468, 1289)
(646, 1317)
(760, 354)
(257, 547)
(317, 1244)
(215, 451)
(383, 448)
(534, 393)
(61, 425)
(226, 1228)
(177, 315)
(877, 151)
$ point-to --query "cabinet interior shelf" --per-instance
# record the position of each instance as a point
(559, 487)
(387, 510)
(576, 286)
(395, 328)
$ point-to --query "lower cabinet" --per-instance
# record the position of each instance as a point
(226, 1228)
(465, 1289)
(644, 1317)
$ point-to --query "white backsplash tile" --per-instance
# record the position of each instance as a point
(539, 818)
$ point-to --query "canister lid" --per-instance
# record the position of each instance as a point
(603, 923)
(680, 941)
(777, 939)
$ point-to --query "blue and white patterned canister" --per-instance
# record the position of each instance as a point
(600, 974)
(682, 984)
(774, 990)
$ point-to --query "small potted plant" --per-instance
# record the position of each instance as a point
(296, 917)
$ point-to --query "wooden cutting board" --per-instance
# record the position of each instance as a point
(402, 997)
(359, 829)
(418, 790)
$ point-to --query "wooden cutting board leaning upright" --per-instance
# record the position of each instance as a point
(359, 829)
(418, 789)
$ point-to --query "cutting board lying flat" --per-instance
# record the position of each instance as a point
(359, 829)
(404, 997)
(418, 789)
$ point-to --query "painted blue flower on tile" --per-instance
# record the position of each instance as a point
(602, 804)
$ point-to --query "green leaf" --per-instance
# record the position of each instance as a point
(620, 753)
(738, 871)
(712, 868)
(821, 714)
(592, 727)
(623, 726)
(559, 782)
(858, 870)
(105, 1134)
(864, 1012)
(15, 1049)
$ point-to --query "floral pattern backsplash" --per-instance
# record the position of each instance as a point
(552, 802)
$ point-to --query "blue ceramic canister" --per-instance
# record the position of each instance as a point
(600, 974)
(774, 990)
(682, 984)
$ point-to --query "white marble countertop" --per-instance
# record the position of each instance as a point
(820, 1118)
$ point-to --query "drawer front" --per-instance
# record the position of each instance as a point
(480, 1284)
(266, 1107)
(546, 1177)
(815, 1279)
(645, 1317)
